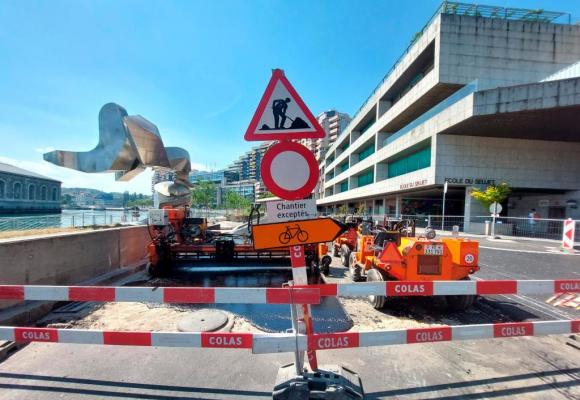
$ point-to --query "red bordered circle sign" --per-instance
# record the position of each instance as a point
(289, 171)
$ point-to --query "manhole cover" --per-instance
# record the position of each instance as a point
(203, 321)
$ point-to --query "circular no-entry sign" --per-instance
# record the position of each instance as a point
(289, 170)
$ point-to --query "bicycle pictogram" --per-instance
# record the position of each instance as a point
(291, 233)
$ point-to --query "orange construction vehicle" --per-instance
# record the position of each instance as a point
(346, 242)
(178, 236)
(393, 252)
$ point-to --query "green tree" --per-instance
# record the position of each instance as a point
(236, 201)
(342, 210)
(66, 200)
(492, 194)
(362, 208)
(144, 202)
(125, 198)
(203, 194)
(265, 195)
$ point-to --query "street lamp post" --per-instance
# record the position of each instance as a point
(443, 213)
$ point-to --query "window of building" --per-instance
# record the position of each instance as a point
(366, 178)
(330, 159)
(54, 194)
(17, 190)
(413, 162)
(43, 193)
(344, 186)
(379, 209)
(343, 167)
(367, 151)
(31, 193)
(2, 189)
(367, 126)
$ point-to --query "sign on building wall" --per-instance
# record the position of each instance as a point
(470, 181)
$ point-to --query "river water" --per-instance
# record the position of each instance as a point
(71, 218)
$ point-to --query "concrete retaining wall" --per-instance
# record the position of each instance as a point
(66, 259)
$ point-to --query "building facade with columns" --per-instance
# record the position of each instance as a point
(26, 192)
(484, 95)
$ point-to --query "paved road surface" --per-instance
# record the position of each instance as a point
(531, 368)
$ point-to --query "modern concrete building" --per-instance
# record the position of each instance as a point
(483, 95)
(248, 166)
(333, 123)
(26, 192)
(225, 180)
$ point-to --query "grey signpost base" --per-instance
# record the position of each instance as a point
(295, 382)
(328, 382)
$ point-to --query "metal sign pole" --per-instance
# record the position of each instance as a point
(298, 356)
(493, 220)
(443, 216)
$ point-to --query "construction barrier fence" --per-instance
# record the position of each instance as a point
(261, 343)
(287, 295)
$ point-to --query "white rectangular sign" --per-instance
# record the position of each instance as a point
(281, 211)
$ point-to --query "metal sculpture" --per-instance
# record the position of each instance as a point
(127, 145)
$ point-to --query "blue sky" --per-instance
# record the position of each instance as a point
(197, 69)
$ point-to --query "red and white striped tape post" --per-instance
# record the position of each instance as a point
(300, 277)
(568, 234)
(261, 343)
(201, 295)
(444, 288)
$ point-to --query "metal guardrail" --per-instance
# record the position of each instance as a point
(71, 220)
(80, 219)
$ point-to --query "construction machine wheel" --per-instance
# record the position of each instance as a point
(460, 302)
(325, 264)
(355, 268)
(345, 255)
(377, 301)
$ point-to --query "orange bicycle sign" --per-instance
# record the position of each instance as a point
(283, 234)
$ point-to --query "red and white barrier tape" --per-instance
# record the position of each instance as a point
(162, 294)
(442, 288)
(300, 294)
(281, 343)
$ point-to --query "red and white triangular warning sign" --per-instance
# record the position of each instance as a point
(282, 114)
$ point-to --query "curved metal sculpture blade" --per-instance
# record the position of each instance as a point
(180, 163)
(146, 141)
(127, 145)
(169, 188)
(114, 152)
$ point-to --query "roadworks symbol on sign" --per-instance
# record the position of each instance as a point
(282, 114)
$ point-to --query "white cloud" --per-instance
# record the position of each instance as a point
(71, 178)
(199, 167)
(43, 150)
